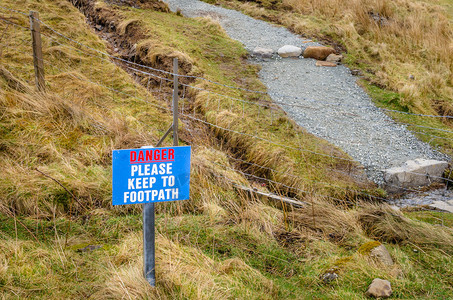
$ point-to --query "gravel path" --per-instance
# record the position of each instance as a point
(334, 106)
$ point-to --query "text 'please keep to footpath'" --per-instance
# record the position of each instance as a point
(150, 175)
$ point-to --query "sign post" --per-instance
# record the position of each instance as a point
(149, 242)
(145, 176)
(156, 174)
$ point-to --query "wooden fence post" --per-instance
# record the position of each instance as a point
(37, 51)
(175, 102)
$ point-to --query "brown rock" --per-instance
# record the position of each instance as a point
(334, 58)
(379, 288)
(318, 52)
(321, 63)
(381, 254)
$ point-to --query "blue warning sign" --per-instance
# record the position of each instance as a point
(150, 175)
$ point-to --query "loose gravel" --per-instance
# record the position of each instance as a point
(331, 104)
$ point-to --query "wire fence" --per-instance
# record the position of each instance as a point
(156, 80)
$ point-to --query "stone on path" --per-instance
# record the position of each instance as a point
(446, 206)
(414, 173)
(263, 52)
(318, 52)
(289, 51)
(379, 288)
(334, 58)
(321, 63)
(381, 254)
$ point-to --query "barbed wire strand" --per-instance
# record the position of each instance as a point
(13, 10)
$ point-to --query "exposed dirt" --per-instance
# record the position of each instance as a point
(122, 43)
(144, 4)
(123, 36)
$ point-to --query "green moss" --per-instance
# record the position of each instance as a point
(366, 248)
(341, 262)
(385, 98)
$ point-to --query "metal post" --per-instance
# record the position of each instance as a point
(149, 260)
(37, 51)
(175, 102)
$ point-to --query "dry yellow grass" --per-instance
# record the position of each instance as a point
(182, 273)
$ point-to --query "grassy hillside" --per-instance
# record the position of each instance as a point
(224, 242)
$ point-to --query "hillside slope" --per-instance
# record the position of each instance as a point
(224, 242)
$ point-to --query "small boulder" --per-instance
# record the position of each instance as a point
(263, 52)
(379, 288)
(381, 254)
(329, 277)
(445, 206)
(289, 51)
(395, 208)
(356, 72)
(414, 173)
(334, 58)
(321, 63)
(318, 52)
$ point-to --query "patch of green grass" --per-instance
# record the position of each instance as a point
(425, 128)
(432, 217)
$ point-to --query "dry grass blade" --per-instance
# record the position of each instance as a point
(387, 225)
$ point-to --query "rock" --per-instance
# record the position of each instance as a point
(379, 19)
(381, 254)
(99, 27)
(321, 63)
(289, 51)
(450, 202)
(414, 173)
(442, 206)
(318, 52)
(395, 208)
(379, 288)
(329, 277)
(334, 58)
(356, 72)
(263, 52)
(411, 77)
(89, 248)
